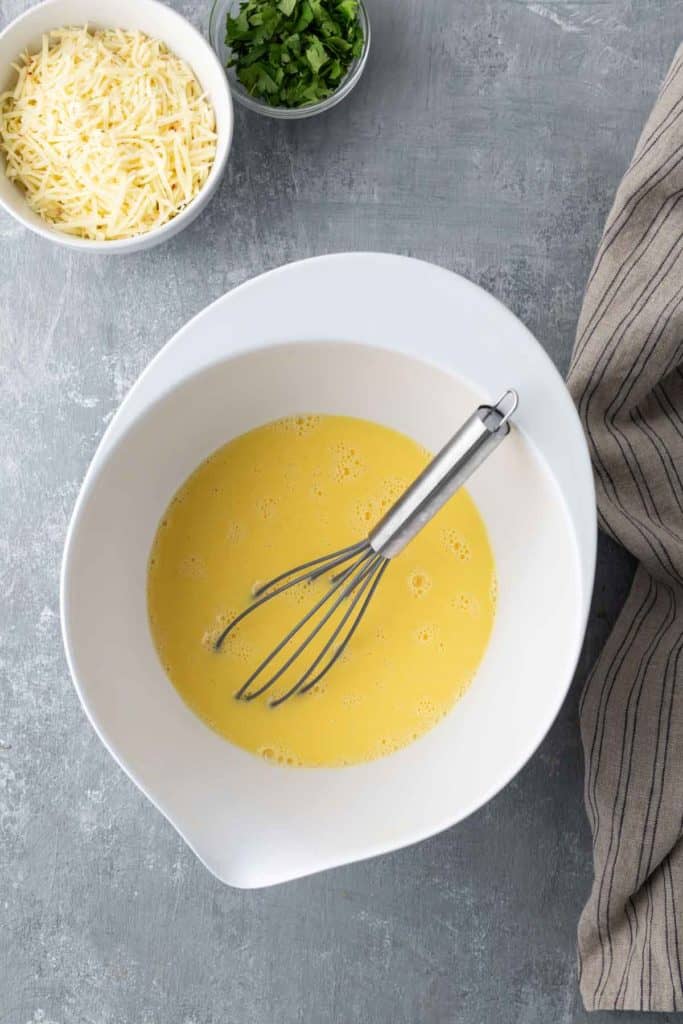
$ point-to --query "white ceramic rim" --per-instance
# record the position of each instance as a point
(187, 215)
(125, 420)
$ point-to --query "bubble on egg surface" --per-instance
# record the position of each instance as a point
(266, 507)
(347, 463)
(387, 745)
(305, 424)
(465, 602)
(300, 593)
(192, 567)
(428, 710)
(425, 634)
(221, 622)
(234, 532)
(365, 514)
(419, 583)
(317, 489)
(393, 487)
(224, 618)
(277, 755)
(235, 646)
(456, 544)
(300, 424)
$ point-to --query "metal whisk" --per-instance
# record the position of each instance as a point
(358, 569)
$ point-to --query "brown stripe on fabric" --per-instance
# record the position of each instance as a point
(624, 270)
(658, 118)
(609, 894)
(666, 320)
(625, 390)
(667, 122)
(663, 744)
(668, 466)
(595, 717)
(667, 929)
(599, 720)
(666, 709)
(645, 541)
(651, 135)
(595, 393)
(607, 680)
(633, 837)
(651, 185)
(669, 410)
(630, 909)
(627, 382)
(677, 952)
(614, 905)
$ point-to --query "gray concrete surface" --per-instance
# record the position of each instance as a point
(488, 137)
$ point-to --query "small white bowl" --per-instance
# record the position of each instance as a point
(417, 348)
(158, 21)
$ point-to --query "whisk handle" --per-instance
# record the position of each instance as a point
(467, 449)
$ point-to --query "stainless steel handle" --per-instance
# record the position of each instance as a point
(477, 438)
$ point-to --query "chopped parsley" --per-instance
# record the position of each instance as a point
(290, 53)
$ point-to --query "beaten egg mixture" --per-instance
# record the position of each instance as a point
(280, 495)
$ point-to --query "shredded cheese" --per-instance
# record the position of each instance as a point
(107, 132)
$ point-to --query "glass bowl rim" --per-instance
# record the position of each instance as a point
(351, 79)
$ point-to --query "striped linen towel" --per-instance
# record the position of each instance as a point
(627, 379)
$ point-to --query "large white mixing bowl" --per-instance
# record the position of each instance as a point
(408, 345)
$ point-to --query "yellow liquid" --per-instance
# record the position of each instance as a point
(280, 495)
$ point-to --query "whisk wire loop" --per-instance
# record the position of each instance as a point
(339, 650)
(366, 554)
(360, 584)
(263, 593)
(341, 597)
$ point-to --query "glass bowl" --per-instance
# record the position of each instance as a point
(217, 20)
